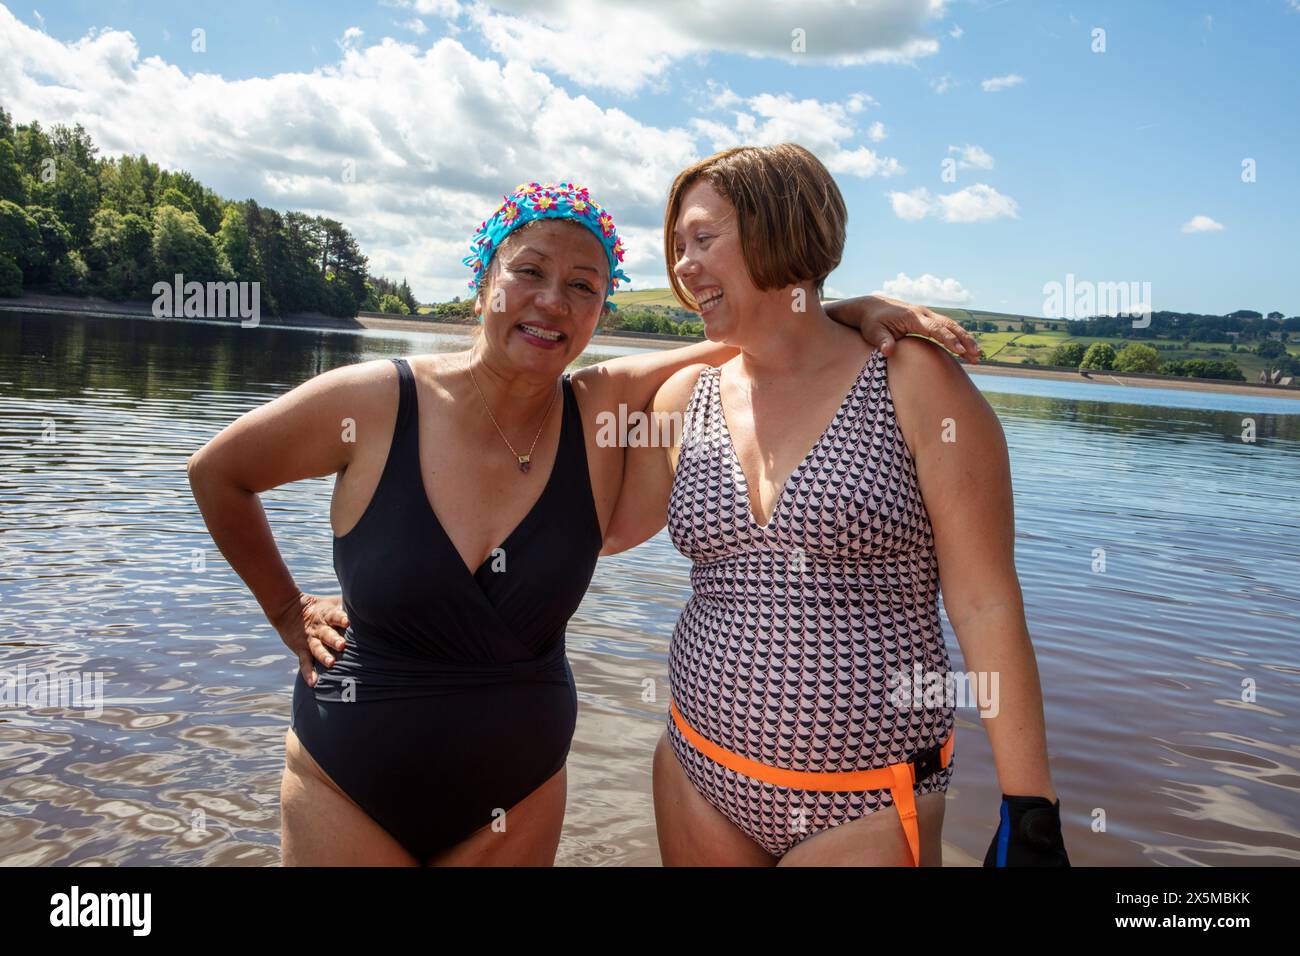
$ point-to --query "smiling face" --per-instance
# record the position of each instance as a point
(759, 224)
(543, 295)
(710, 262)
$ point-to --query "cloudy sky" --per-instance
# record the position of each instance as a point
(984, 147)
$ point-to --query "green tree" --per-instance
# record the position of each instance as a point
(181, 245)
(1135, 357)
(1270, 349)
(236, 244)
(69, 275)
(174, 197)
(55, 242)
(20, 239)
(404, 293)
(76, 147)
(341, 256)
(11, 278)
(393, 305)
(120, 254)
(72, 193)
(12, 186)
(127, 185)
(1069, 355)
(1100, 355)
(32, 148)
(201, 201)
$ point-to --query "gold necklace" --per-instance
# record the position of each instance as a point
(524, 460)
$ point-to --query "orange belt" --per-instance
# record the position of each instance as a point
(897, 778)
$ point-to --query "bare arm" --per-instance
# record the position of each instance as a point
(300, 434)
(633, 380)
(642, 507)
(883, 321)
(966, 483)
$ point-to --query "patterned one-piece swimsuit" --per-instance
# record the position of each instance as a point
(799, 635)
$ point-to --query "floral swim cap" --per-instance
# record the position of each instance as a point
(546, 201)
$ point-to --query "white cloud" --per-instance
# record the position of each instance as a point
(430, 164)
(624, 45)
(877, 132)
(956, 32)
(942, 84)
(822, 127)
(415, 25)
(971, 157)
(447, 9)
(973, 204)
(998, 83)
(1202, 224)
(926, 290)
(860, 101)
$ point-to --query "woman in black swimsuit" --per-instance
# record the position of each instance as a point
(469, 508)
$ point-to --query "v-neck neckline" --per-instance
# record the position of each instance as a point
(741, 483)
(546, 489)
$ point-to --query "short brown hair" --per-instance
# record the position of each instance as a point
(790, 214)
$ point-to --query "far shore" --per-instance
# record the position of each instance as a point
(70, 306)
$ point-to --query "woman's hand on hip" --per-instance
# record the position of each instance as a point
(311, 629)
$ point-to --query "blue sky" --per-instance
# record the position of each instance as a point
(1115, 166)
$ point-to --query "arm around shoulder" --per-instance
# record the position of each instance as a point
(648, 466)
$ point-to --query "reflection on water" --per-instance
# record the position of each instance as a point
(106, 568)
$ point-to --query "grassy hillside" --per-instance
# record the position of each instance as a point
(647, 297)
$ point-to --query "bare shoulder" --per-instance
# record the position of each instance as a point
(922, 374)
(359, 389)
(358, 377)
(931, 391)
(675, 394)
(596, 386)
(312, 430)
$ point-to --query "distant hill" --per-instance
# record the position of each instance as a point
(1241, 343)
(663, 297)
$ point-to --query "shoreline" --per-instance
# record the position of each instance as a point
(67, 306)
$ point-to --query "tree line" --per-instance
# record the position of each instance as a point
(75, 223)
(1247, 324)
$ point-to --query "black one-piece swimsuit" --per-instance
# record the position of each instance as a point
(453, 699)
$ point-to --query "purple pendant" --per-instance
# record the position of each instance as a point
(524, 464)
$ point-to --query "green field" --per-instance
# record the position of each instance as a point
(647, 297)
(1016, 347)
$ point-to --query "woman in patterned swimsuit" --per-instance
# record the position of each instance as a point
(815, 595)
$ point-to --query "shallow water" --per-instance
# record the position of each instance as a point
(106, 566)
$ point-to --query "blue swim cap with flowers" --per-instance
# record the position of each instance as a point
(546, 201)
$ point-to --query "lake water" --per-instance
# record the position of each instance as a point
(1171, 677)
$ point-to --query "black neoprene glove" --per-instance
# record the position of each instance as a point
(1028, 834)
